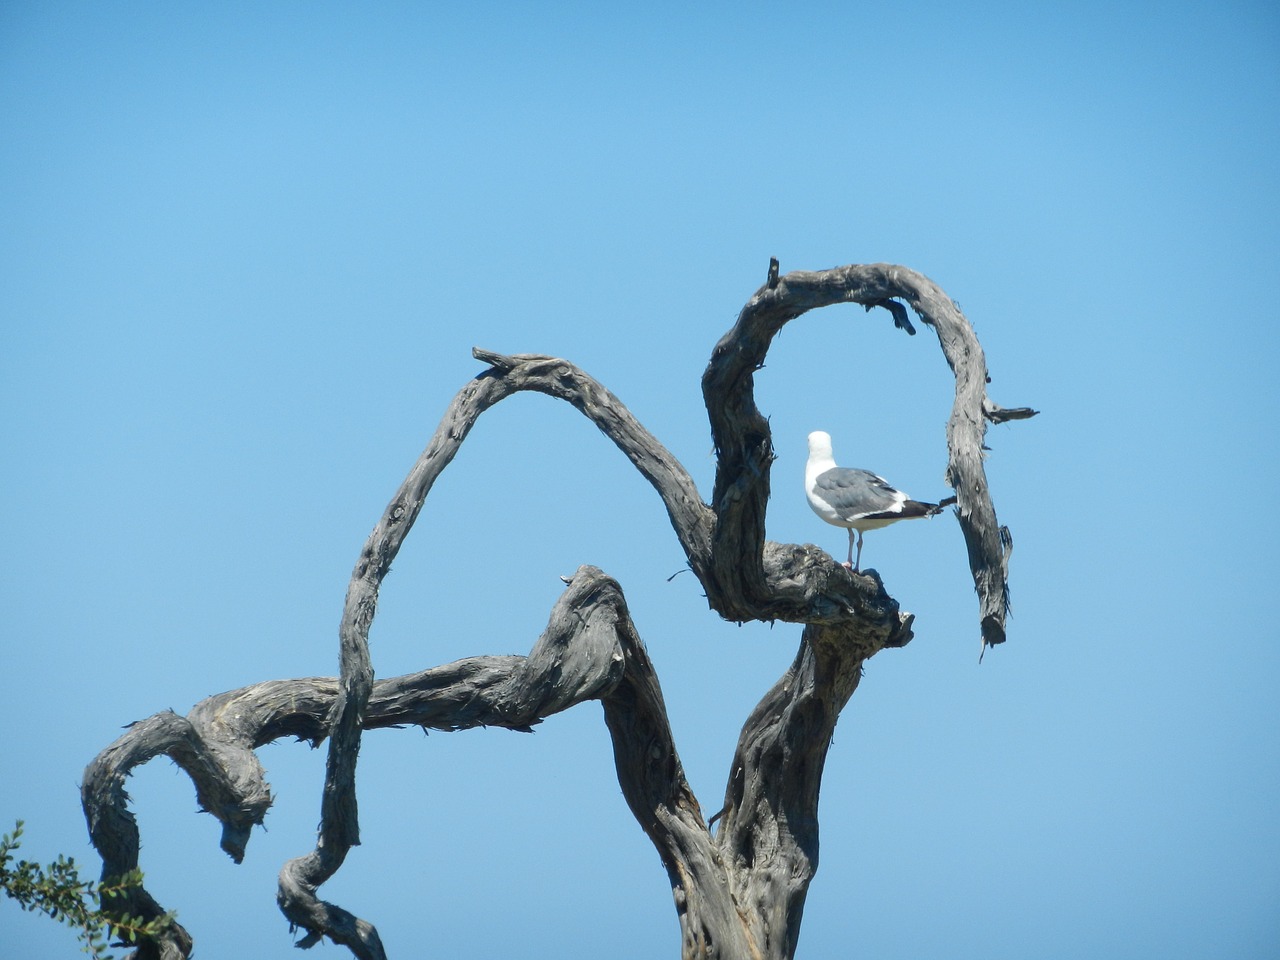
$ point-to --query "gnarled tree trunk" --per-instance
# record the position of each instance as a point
(739, 881)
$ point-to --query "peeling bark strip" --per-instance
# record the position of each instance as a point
(740, 891)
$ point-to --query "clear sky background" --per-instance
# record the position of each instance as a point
(247, 249)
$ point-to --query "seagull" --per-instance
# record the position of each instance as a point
(856, 499)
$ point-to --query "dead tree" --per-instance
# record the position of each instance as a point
(739, 887)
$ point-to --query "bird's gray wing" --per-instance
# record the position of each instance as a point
(856, 494)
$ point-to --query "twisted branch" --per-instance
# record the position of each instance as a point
(744, 445)
(589, 650)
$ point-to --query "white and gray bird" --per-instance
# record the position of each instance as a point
(856, 499)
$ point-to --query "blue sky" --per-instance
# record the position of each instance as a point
(245, 252)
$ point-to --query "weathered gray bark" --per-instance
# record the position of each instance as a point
(739, 889)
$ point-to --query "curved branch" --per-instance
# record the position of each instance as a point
(690, 518)
(113, 830)
(745, 447)
(589, 650)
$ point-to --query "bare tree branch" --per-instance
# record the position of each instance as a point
(589, 650)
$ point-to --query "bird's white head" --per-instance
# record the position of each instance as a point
(820, 445)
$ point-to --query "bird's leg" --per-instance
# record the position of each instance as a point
(849, 563)
(858, 560)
